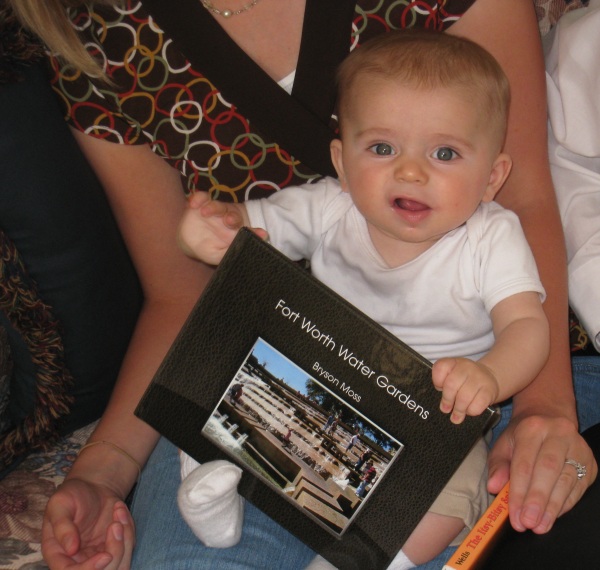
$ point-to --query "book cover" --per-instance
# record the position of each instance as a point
(478, 544)
(276, 372)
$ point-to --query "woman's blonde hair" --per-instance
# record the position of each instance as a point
(48, 19)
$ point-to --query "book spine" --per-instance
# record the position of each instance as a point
(476, 544)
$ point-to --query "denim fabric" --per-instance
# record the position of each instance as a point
(164, 540)
(586, 372)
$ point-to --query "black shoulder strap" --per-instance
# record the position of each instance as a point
(325, 43)
(299, 123)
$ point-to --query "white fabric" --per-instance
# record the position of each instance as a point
(319, 563)
(186, 464)
(287, 82)
(209, 502)
(439, 303)
(573, 82)
(401, 562)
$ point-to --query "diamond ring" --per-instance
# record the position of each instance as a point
(581, 470)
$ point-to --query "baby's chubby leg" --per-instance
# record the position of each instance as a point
(209, 502)
(430, 537)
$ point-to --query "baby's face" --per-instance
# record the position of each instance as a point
(417, 163)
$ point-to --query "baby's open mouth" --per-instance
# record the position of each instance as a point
(410, 205)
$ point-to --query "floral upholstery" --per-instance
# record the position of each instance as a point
(24, 492)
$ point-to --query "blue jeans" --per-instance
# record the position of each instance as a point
(164, 541)
(586, 372)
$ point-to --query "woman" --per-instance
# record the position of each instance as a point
(87, 524)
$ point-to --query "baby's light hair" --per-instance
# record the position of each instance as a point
(427, 60)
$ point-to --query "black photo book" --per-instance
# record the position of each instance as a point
(335, 421)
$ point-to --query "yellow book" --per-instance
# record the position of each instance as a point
(477, 544)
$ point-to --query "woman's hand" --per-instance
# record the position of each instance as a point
(532, 451)
(87, 526)
(543, 431)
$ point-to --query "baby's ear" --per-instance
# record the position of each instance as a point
(336, 157)
(498, 175)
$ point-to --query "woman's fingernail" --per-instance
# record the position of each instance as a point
(118, 532)
(122, 515)
(102, 562)
(545, 524)
(518, 526)
(531, 516)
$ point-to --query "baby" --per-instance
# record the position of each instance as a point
(409, 233)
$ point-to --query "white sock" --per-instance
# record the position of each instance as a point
(319, 563)
(209, 502)
(186, 464)
(401, 562)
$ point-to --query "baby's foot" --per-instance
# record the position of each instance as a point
(209, 502)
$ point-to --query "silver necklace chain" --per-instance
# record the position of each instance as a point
(226, 12)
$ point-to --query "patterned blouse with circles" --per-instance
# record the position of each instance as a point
(214, 115)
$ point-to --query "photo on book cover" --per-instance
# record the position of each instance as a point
(316, 450)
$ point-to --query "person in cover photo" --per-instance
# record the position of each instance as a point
(366, 455)
(409, 234)
(235, 394)
(287, 436)
(328, 422)
(366, 478)
(353, 441)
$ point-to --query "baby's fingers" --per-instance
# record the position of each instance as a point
(232, 218)
(447, 381)
(199, 199)
(470, 401)
(481, 400)
(441, 370)
(214, 208)
(261, 233)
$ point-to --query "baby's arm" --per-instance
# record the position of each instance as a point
(208, 227)
(519, 353)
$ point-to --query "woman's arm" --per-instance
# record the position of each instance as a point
(148, 202)
(543, 430)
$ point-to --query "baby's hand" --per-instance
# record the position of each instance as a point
(467, 387)
(208, 227)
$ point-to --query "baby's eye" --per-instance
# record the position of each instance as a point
(445, 153)
(382, 149)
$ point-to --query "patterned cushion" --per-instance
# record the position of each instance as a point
(24, 493)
